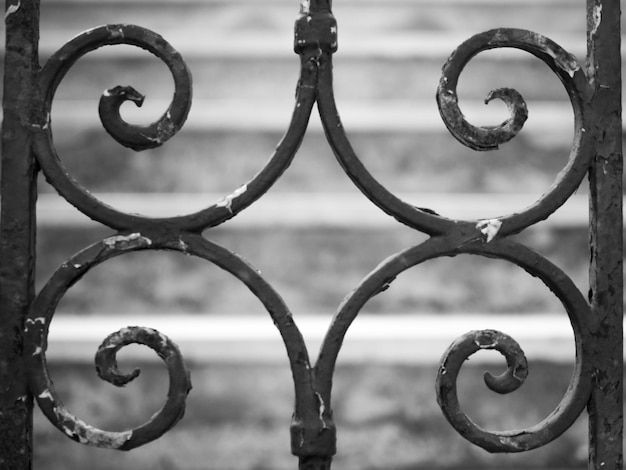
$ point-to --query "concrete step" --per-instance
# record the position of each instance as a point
(388, 338)
(278, 16)
(243, 50)
(230, 76)
(204, 161)
(314, 210)
(220, 115)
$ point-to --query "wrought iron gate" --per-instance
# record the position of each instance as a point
(594, 89)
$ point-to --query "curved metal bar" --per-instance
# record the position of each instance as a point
(58, 176)
(575, 399)
(132, 136)
(568, 180)
(488, 138)
(419, 219)
(43, 309)
(567, 69)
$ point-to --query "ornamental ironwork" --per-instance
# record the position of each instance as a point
(594, 90)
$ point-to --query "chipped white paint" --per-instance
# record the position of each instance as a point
(46, 395)
(126, 331)
(31, 321)
(116, 33)
(489, 228)
(227, 201)
(565, 61)
(597, 18)
(183, 246)
(491, 345)
(305, 7)
(322, 409)
(12, 9)
(38, 351)
(39, 126)
(127, 241)
(86, 434)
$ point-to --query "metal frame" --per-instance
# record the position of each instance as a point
(594, 88)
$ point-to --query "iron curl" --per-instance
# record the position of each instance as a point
(509, 381)
(36, 344)
(107, 368)
(485, 138)
(74, 269)
(132, 136)
(578, 390)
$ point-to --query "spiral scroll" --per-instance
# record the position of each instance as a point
(132, 136)
(575, 399)
(140, 137)
(488, 138)
(41, 316)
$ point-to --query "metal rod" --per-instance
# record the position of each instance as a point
(606, 277)
(17, 230)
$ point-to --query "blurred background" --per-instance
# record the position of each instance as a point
(313, 236)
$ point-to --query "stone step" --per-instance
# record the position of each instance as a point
(314, 210)
(205, 160)
(243, 49)
(388, 338)
(250, 29)
(277, 16)
(222, 115)
(302, 273)
(259, 78)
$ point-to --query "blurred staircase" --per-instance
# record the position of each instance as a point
(245, 72)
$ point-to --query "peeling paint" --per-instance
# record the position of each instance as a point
(322, 409)
(86, 434)
(36, 125)
(597, 18)
(33, 321)
(565, 61)
(227, 201)
(489, 227)
(12, 9)
(183, 246)
(116, 31)
(482, 345)
(46, 395)
(305, 7)
(510, 442)
(127, 242)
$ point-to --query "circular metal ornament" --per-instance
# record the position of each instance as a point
(577, 308)
(428, 221)
(44, 307)
(58, 176)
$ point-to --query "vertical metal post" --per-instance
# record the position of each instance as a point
(17, 229)
(606, 277)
